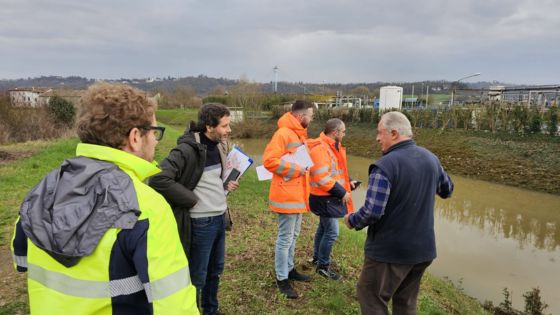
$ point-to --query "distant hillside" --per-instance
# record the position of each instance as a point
(204, 85)
(50, 81)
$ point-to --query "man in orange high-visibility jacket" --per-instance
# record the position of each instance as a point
(289, 191)
(330, 197)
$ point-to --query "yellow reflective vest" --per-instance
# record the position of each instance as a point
(156, 274)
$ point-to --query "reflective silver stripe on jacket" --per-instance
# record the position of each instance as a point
(125, 286)
(20, 260)
(293, 145)
(287, 205)
(320, 170)
(321, 182)
(281, 167)
(291, 172)
(164, 287)
(102, 289)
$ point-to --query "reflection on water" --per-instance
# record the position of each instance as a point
(492, 236)
(489, 236)
(530, 218)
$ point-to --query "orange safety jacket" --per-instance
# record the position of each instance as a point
(289, 190)
(329, 167)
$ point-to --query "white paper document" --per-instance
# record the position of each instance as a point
(300, 157)
(263, 173)
(237, 159)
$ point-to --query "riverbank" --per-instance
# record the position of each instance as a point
(530, 161)
(248, 280)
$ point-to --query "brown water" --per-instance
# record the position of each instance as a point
(489, 236)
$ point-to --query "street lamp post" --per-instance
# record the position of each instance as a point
(457, 81)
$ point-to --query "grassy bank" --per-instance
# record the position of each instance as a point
(530, 162)
(248, 280)
(178, 118)
(250, 267)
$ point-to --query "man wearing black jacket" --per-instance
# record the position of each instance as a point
(191, 181)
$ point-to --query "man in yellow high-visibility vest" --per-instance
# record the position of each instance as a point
(93, 238)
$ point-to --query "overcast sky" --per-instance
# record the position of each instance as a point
(514, 41)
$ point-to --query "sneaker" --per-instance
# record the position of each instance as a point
(286, 289)
(328, 273)
(296, 276)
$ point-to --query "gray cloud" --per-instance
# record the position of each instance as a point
(313, 41)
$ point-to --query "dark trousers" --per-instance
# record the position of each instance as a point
(206, 260)
(379, 282)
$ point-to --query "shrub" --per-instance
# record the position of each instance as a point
(533, 303)
(62, 111)
(520, 118)
(252, 128)
(20, 124)
(216, 99)
(553, 120)
(536, 121)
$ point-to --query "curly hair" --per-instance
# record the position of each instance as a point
(210, 115)
(109, 111)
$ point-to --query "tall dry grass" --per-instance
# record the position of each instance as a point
(20, 124)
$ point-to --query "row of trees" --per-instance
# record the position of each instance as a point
(244, 94)
(492, 117)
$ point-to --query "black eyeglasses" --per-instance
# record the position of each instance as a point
(158, 131)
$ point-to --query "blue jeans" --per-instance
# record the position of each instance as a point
(289, 226)
(326, 234)
(206, 261)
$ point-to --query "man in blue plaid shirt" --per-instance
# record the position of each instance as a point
(399, 214)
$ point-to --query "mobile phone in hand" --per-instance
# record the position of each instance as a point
(356, 184)
(234, 175)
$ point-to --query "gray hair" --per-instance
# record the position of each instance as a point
(333, 124)
(397, 121)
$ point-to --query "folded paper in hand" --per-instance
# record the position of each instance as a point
(300, 157)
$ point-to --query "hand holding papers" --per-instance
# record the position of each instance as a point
(300, 157)
(237, 162)
(263, 173)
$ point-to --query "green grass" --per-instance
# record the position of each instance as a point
(247, 285)
(17, 178)
(250, 274)
(177, 117)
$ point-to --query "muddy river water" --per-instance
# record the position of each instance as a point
(489, 236)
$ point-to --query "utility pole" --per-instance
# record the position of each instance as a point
(457, 81)
(275, 79)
